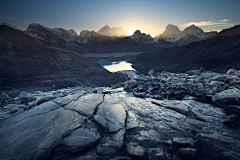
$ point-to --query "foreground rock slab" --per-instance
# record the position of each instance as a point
(86, 105)
(36, 136)
(111, 115)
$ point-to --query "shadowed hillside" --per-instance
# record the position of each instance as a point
(27, 59)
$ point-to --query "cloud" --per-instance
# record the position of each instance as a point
(237, 6)
(223, 22)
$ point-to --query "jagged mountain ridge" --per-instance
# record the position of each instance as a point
(141, 37)
(89, 41)
(173, 34)
(217, 54)
(112, 32)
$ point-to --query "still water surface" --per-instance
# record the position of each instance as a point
(114, 66)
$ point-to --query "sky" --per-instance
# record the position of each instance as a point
(148, 16)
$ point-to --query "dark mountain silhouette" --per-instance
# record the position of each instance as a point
(32, 61)
(230, 31)
(217, 54)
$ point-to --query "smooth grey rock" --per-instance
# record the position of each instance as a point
(189, 153)
(183, 142)
(23, 94)
(132, 120)
(86, 105)
(36, 136)
(40, 109)
(227, 97)
(178, 107)
(79, 140)
(133, 149)
(116, 140)
(111, 115)
(232, 109)
(14, 93)
(156, 154)
(232, 120)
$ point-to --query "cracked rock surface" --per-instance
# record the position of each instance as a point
(106, 123)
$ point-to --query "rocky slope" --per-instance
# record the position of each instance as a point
(187, 36)
(28, 60)
(106, 123)
(89, 41)
(114, 31)
(216, 54)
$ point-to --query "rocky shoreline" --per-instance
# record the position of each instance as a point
(192, 115)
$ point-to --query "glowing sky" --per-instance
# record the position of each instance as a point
(149, 16)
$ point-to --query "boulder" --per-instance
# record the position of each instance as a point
(151, 72)
(4, 97)
(24, 95)
(13, 94)
(231, 71)
(227, 97)
(232, 109)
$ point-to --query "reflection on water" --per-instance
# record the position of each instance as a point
(116, 66)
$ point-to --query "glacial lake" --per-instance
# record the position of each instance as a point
(114, 66)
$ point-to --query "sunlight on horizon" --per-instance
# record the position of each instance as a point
(130, 31)
(116, 66)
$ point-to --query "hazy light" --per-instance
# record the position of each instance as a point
(119, 66)
(130, 31)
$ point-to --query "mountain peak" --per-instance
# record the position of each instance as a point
(114, 31)
(141, 37)
(106, 26)
(137, 32)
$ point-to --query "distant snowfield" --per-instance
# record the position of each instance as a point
(111, 54)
